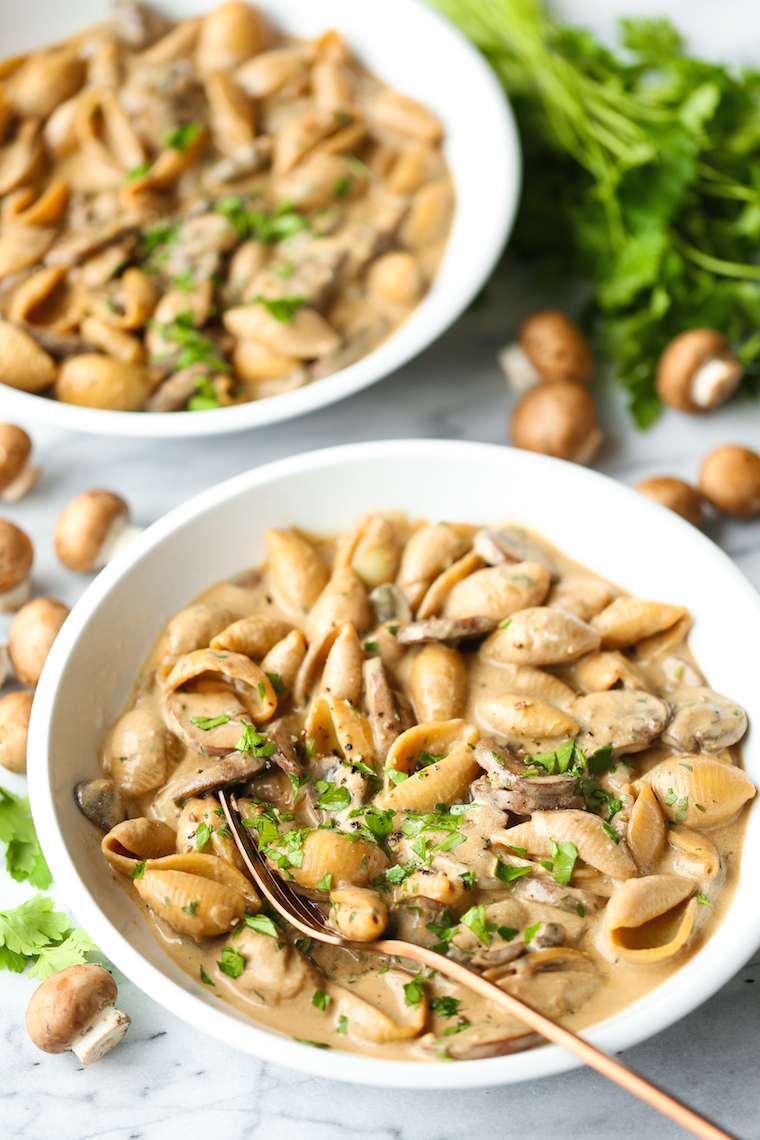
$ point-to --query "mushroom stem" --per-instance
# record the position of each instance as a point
(715, 381)
(106, 1031)
(519, 369)
(120, 534)
(16, 597)
(26, 478)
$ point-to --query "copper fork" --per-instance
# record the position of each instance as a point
(307, 917)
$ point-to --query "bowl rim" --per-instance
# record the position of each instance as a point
(487, 235)
(697, 980)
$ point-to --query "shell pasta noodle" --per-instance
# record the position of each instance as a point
(448, 732)
(201, 213)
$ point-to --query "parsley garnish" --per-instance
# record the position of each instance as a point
(252, 741)
(262, 924)
(445, 1006)
(277, 683)
(138, 871)
(138, 171)
(23, 854)
(232, 962)
(342, 1024)
(413, 991)
(206, 979)
(202, 835)
(475, 919)
(564, 855)
(325, 883)
(508, 874)
(703, 899)
(191, 908)
(34, 930)
(283, 309)
(333, 797)
(205, 723)
(181, 137)
(530, 932)
(320, 999)
(468, 879)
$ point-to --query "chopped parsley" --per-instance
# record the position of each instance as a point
(530, 932)
(232, 962)
(564, 855)
(508, 874)
(468, 879)
(191, 908)
(413, 991)
(204, 399)
(610, 831)
(205, 723)
(138, 871)
(332, 797)
(342, 1024)
(181, 137)
(262, 924)
(202, 835)
(252, 741)
(475, 919)
(206, 979)
(445, 1006)
(283, 309)
(320, 999)
(703, 899)
(268, 228)
(277, 683)
(138, 171)
(325, 883)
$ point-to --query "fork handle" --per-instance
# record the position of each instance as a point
(579, 1046)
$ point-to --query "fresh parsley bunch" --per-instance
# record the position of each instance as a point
(642, 176)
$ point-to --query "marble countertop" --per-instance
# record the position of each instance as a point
(167, 1079)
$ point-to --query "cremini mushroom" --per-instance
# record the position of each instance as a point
(92, 529)
(675, 494)
(17, 474)
(557, 419)
(698, 371)
(32, 633)
(730, 479)
(16, 555)
(75, 1011)
(549, 347)
(14, 724)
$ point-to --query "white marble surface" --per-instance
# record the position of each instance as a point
(168, 1080)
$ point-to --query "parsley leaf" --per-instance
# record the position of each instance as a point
(58, 956)
(564, 855)
(232, 962)
(445, 1006)
(23, 854)
(475, 919)
(508, 874)
(262, 924)
(413, 991)
(181, 137)
(320, 999)
(206, 723)
(283, 309)
(277, 683)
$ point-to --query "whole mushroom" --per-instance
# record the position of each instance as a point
(17, 474)
(557, 419)
(675, 494)
(698, 371)
(32, 633)
(16, 556)
(15, 709)
(75, 1011)
(730, 479)
(549, 347)
(92, 529)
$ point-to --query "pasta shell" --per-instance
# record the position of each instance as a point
(398, 113)
(45, 81)
(269, 71)
(23, 364)
(300, 134)
(193, 628)
(332, 84)
(704, 721)
(305, 336)
(527, 681)
(59, 131)
(642, 923)
(338, 728)
(438, 593)
(582, 828)
(251, 684)
(374, 551)
(254, 361)
(228, 36)
(429, 215)
(179, 43)
(191, 905)
(351, 863)
(699, 791)
(702, 857)
(499, 591)
(135, 839)
(134, 302)
(417, 164)
(232, 113)
(438, 685)
(444, 781)
(429, 551)
(628, 620)
(139, 752)
(367, 1023)
(598, 671)
(254, 636)
(646, 830)
(651, 649)
(21, 160)
(358, 913)
(540, 636)
(344, 599)
(208, 867)
(626, 720)
(219, 841)
(48, 208)
(169, 167)
(438, 737)
(436, 886)
(297, 573)
(22, 246)
(342, 676)
(584, 597)
(521, 718)
(96, 381)
(285, 659)
(114, 342)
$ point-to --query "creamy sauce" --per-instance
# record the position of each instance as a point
(344, 976)
(208, 233)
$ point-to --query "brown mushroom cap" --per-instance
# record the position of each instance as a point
(730, 479)
(556, 347)
(15, 709)
(683, 358)
(15, 449)
(557, 419)
(16, 555)
(680, 497)
(32, 633)
(67, 1004)
(83, 527)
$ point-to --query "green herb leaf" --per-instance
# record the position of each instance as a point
(23, 855)
(320, 999)
(138, 871)
(203, 834)
(413, 991)
(342, 1025)
(530, 932)
(191, 908)
(181, 137)
(262, 924)
(508, 874)
(445, 1006)
(564, 855)
(232, 962)
(325, 883)
(475, 919)
(277, 683)
(283, 309)
(205, 723)
(205, 978)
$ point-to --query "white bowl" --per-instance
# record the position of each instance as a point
(89, 673)
(410, 47)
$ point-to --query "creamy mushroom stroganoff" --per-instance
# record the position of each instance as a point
(207, 212)
(455, 734)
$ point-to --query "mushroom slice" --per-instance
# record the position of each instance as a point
(251, 684)
(699, 791)
(512, 544)
(390, 604)
(410, 919)
(553, 980)
(384, 719)
(207, 716)
(703, 721)
(645, 923)
(477, 1042)
(629, 620)
(554, 894)
(254, 636)
(503, 768)
(498, 591)
(102, 803)
(234, 768)
(595, 847)
(444, 629)
(540, 635)
(531, 793)
(627, 720)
